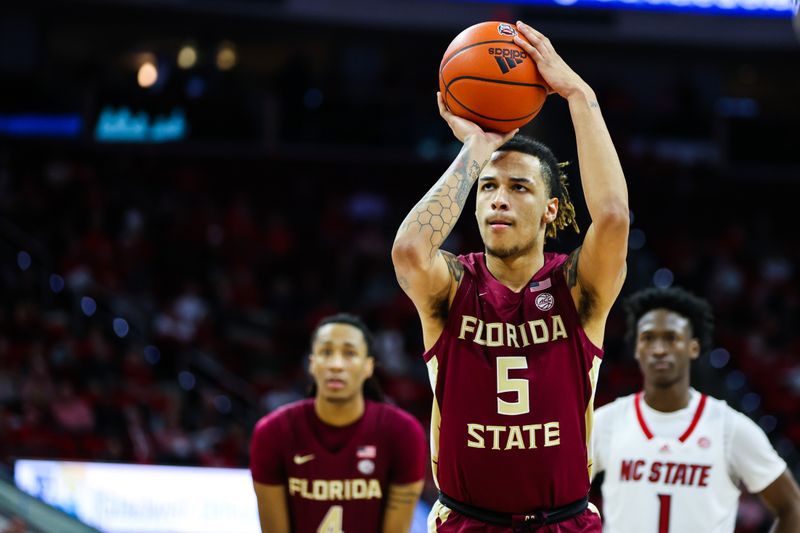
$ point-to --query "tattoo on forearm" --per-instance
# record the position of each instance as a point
(453, 265)
(571, 267)
(594, 104)
(399, 498)
(435, 215)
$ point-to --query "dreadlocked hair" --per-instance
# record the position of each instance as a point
(695, 309)
(371, 389)
(554, 176)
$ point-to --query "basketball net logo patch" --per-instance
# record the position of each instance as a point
(545, 301)
(506, 30)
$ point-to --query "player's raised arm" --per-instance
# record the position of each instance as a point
(427, 274)
(273, 510)
(596, 271)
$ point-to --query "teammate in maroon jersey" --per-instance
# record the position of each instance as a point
(342, 460)
(513, 336)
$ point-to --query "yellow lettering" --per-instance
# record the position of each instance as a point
(374, 490)
(467, 324)
(320, 490)
(478, 339)
(511, 335)
(473, 429)
(552, 434)
(539, 338)
(514, 438)
(304, 492)
(531, 429)
(524, 334)
(336, 489)
(359, 489)
(295, 485)
(496, 430)
(559, 331)
(494, 334)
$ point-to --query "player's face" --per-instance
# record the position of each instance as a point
(339, 362)
(665, 347)
(513, 206)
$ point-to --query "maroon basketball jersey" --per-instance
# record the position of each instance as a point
(341, 489)
(513, 376)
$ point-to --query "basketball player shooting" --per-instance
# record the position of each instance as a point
(342, 460)
(513, 335)
(673, 457)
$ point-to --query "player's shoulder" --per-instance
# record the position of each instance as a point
(391, 416)
(284, 415)
(734, 419)
(716, 408)
(616, 408)
(471, 262)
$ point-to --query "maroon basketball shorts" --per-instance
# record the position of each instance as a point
(444, 520)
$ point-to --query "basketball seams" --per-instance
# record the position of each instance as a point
(492, 118)
(467, 47)
(493, 80)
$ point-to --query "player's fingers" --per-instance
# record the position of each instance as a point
(443, 111)
(507, 136)
(536, 37)
(528, 47)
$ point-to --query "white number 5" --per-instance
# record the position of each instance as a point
(507, 384)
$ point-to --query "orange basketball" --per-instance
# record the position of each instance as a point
(486, 78)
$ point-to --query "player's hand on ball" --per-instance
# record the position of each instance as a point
(464, 129)
(555, 71)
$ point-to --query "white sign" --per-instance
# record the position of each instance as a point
(120, 498)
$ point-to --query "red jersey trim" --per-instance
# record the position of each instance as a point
(695, 420)
(640, 418)
(686, 434)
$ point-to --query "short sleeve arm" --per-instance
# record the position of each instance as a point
(266, 464)
(751, 456)
(409, 451)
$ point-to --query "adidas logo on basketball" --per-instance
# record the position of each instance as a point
(507, 58)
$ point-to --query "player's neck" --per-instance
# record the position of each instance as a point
(339, 413)
(667, 400)
(515, 272)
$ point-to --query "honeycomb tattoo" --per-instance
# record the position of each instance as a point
(436, 214)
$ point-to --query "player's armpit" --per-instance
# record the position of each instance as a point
(782, 496)
(400, 505)
(273, 509)
(431, 289)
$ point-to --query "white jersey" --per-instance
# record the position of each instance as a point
(678, 472)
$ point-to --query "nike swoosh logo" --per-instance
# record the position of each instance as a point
(303, 459)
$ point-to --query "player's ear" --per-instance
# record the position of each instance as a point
(551, 210)
(369, 367)
(694, 348)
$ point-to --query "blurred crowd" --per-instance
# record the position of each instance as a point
(155, 307)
